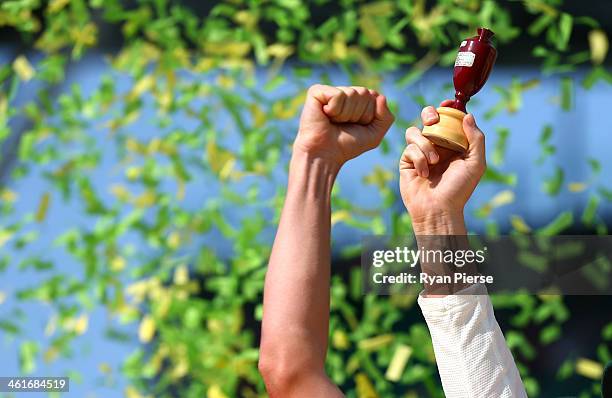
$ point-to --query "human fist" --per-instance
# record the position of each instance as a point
(340, 123)
(436, 180)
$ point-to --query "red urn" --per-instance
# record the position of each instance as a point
(473, 66)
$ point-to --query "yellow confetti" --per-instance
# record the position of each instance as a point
(374, 343)
(378, 8)
(283, 110)
(84, 36)
(7, 195)
(51, 354)
(57, 5)
(339, 47)
(181, 275)
(226, 81)
(577, 186)
(598, 43)
(371, 31)
(23, 68)
(117, 264)
(379, 177)
(105, 368)
(146, 199)
(221, 161)
(131, 392)
(340, 340)
(280, 50)
(174, 240)
(120, 192)
(519, 224)
(165, 99)
(133, 145)
(180, 369)
(143, 85)
(259, 117)
(215, 391)
(589, 368)
(146, 331)
(81, 324)
(133, 172)
(5, 236)
(204, 65)
(247, 18)
(43, 207)
(365, 389)
(232, 49)
(502, 198)
(154, 146)
(339, 216)
(398, 362)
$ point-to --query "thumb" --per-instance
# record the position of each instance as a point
(476, 140)
(326, 98)
(383, 118)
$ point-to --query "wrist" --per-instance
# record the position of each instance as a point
(439, 222)
(324, 153)
(310, 174)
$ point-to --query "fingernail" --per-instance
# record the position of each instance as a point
(425, 173)
(430, 116)
(433, 157)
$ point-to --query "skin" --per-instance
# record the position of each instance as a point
(336, 125)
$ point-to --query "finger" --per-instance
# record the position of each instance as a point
(429, 116)
(447, 102)
(334, 106)
(412, 154)
(476, 140)
(329, 98)
(368, 114)
(383, 118)
(414, 136)
(348, 106)
(361, 103)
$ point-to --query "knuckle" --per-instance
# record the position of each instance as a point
(350, 92)
(414, 151)
(412, 133)
(314, 88)
(360, 90)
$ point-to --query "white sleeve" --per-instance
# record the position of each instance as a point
(471, 352)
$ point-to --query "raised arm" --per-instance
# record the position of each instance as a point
(337, 124)
(471, 352)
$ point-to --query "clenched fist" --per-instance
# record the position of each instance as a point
(340, 123)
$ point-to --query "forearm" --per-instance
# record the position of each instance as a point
(296, 292)
(471, 352)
